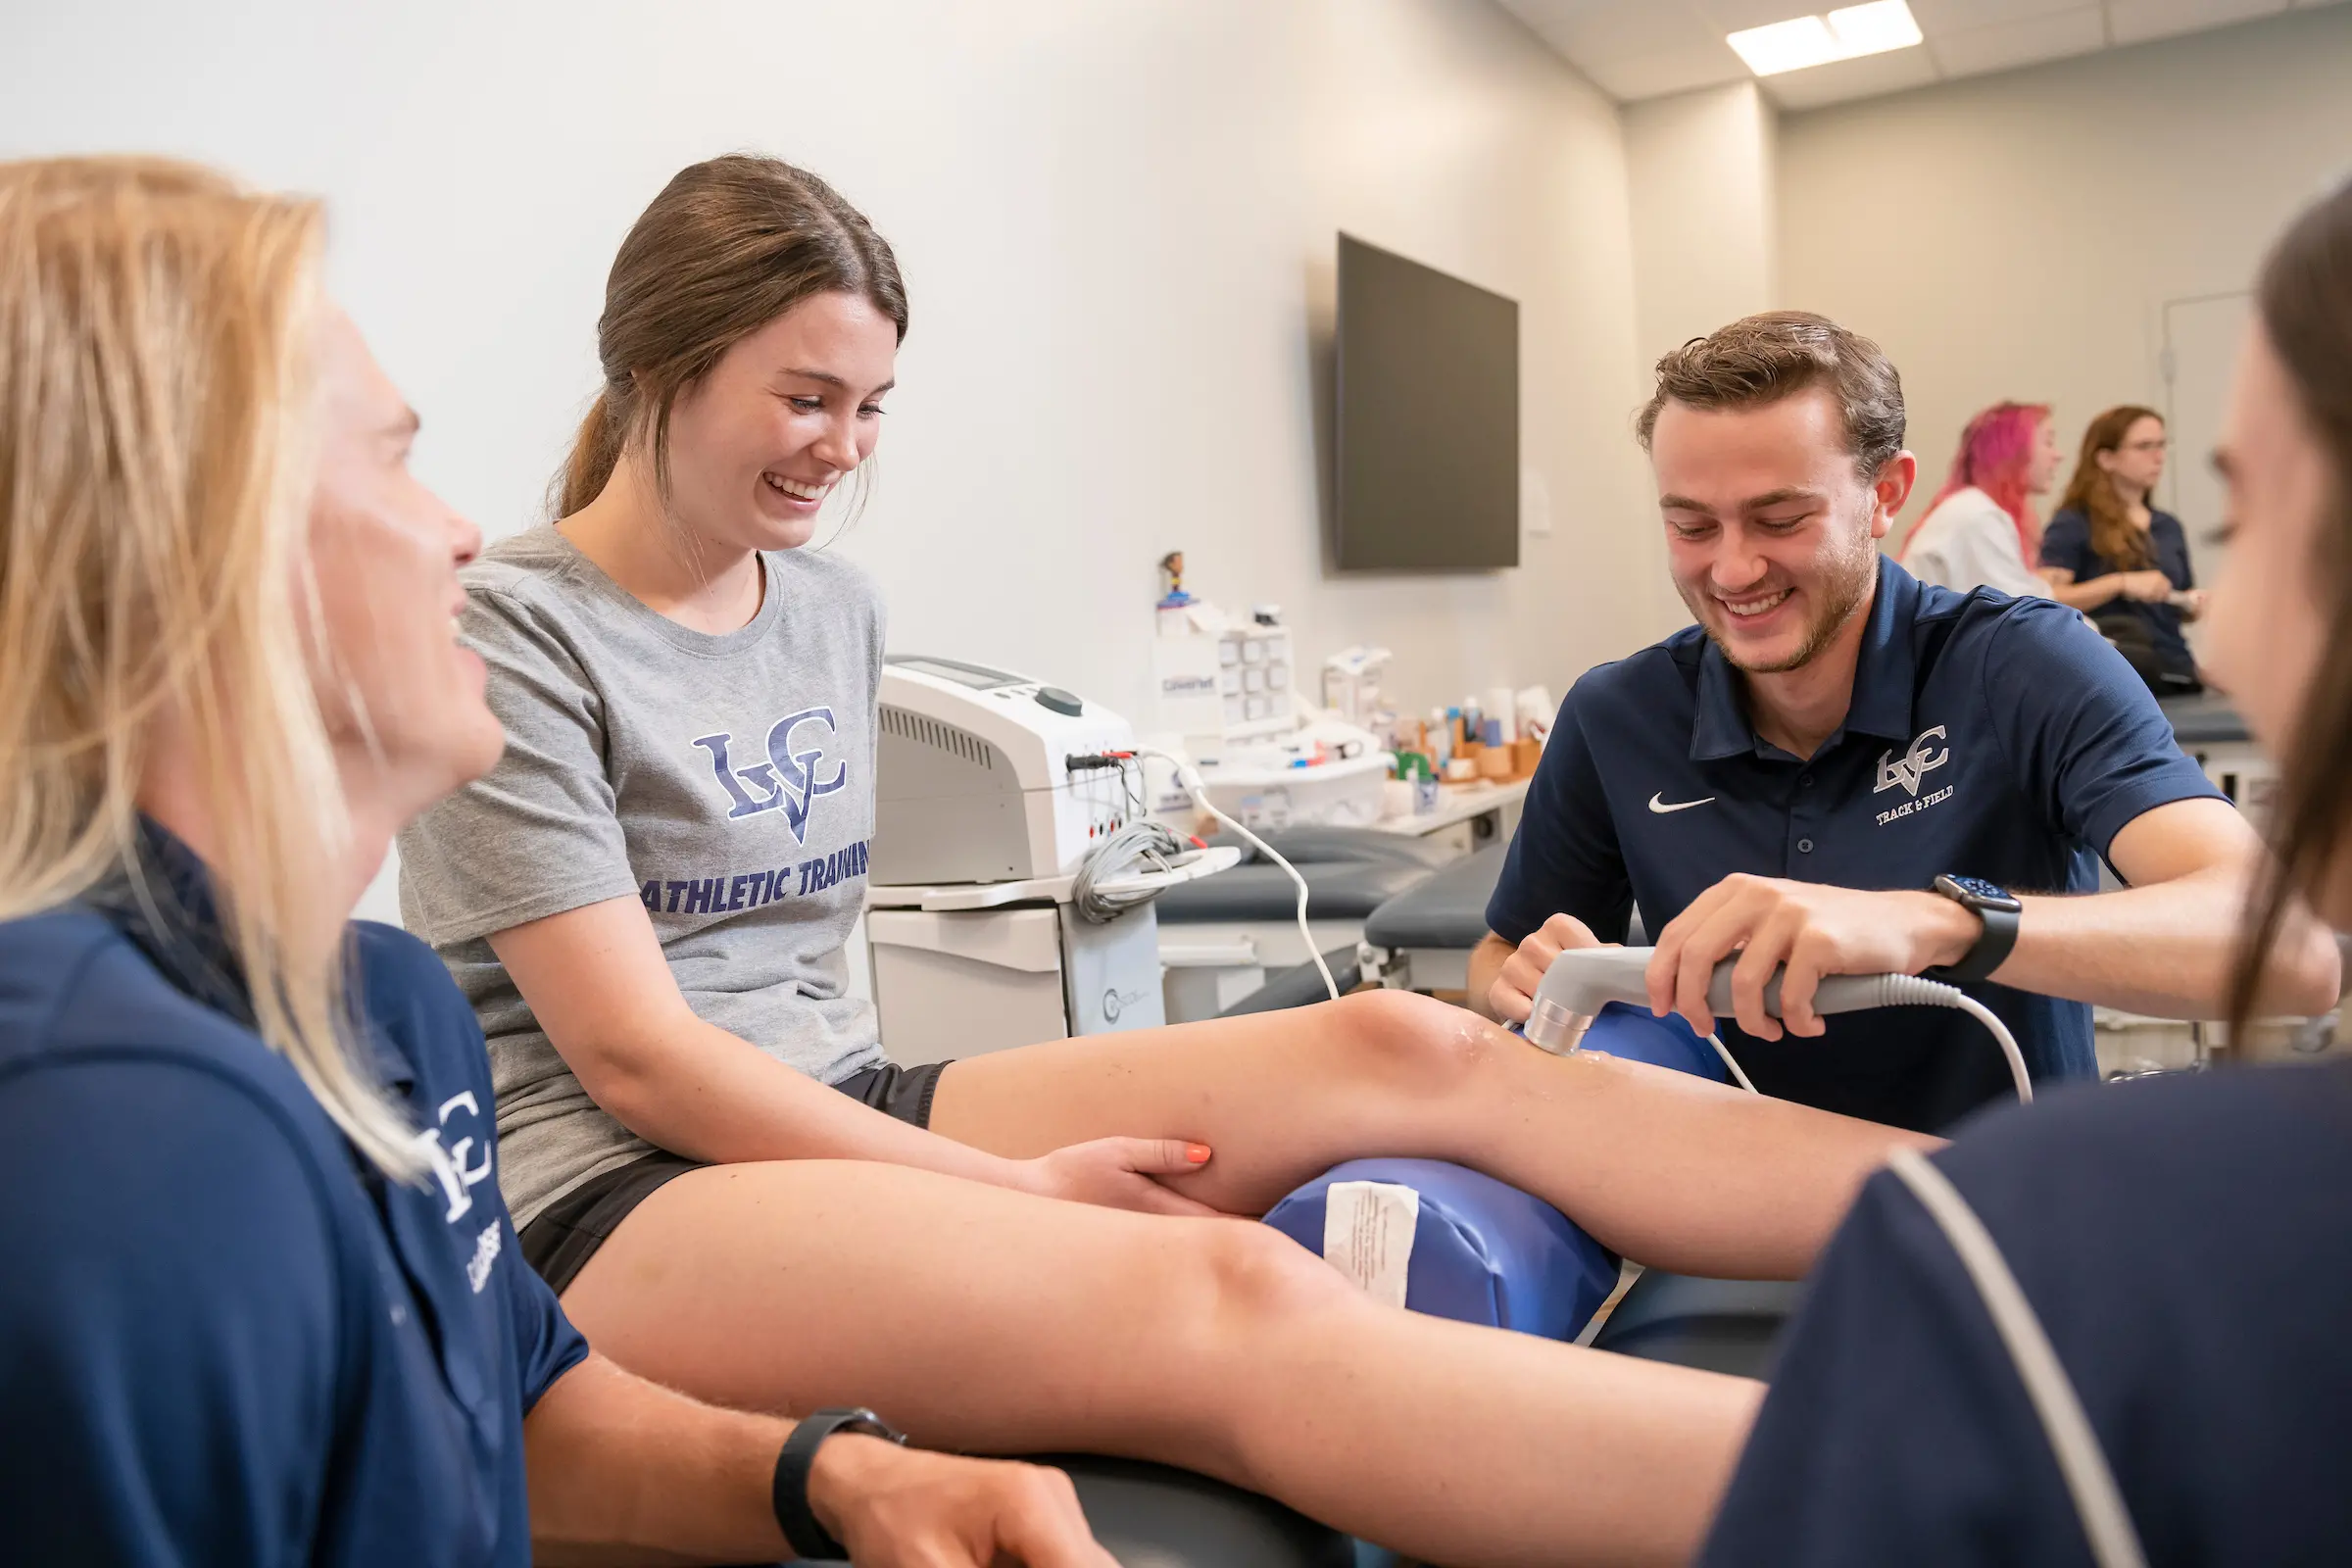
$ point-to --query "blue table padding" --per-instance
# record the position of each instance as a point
(1483, 1251)
(1632, 1034)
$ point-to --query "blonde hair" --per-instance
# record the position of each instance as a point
(157, 454)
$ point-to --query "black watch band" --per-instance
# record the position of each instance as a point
(790, 1493)
(1998, 910)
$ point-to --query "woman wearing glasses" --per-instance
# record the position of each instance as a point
(2111, 555)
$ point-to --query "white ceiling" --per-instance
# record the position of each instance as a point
(1638, 49)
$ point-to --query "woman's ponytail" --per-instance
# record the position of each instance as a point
(595, 450)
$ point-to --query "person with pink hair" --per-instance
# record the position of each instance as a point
(1980, 531)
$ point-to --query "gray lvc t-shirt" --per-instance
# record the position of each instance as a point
(724, 781)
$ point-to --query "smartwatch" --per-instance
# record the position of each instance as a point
(790, 1493)
(1998, 907)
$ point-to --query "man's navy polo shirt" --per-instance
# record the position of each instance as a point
(229, 1340)
(1988, 736)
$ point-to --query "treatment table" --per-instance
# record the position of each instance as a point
(2210, 731)
(1420, 940)
(1222, 938)
(1152, 1516)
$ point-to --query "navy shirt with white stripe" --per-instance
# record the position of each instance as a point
(1988, 736)
(2182, 1241)
(227, 1339)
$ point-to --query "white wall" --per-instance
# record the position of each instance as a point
(1116, 222)
(1699, 171)
(1699, 178)
(2020, 235)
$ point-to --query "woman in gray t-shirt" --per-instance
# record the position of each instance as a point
(647, 902)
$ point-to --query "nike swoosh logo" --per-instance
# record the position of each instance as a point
(1657, 804)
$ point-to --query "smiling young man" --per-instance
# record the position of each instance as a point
(1844, 770)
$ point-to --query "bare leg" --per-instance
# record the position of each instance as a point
(1664, 1167)
(989, 1320)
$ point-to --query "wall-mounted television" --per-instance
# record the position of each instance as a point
(1427, 418)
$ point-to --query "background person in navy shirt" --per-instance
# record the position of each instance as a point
(1790, 775)
(2182, 1241)
(261, 1300)
(2110, 553)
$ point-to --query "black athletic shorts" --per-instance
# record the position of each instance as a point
(570, 1230)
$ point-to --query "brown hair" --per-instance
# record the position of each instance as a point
(2092, 493)
(1763, 359)
(2305, 297)
(728, 246)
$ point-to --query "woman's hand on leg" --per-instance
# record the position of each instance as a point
(897, 1507)
(1675, 1170)
(1120, 1173)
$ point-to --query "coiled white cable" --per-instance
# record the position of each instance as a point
(1138, 845)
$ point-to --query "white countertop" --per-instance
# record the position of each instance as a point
(1458, 803)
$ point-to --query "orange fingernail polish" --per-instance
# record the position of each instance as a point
(1198, 1154)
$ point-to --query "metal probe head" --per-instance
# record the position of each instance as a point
(1578, 984)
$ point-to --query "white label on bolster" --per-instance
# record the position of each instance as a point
(1368, 1235)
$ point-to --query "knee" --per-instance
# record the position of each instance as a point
(1230, 1311)
(1409, 1041)
(1257, 1278)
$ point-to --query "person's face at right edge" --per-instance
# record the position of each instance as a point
(2265, 628)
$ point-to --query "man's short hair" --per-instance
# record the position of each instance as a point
(1762, 359)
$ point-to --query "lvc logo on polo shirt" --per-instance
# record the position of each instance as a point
(448, 1160)
(1904, 774)
(457, 1179)
(1918, 761)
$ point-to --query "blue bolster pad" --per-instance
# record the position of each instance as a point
(1483, 1251)
(1635, 1035)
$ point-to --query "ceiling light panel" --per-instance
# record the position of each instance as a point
(1873, 29)
(1847, 33)
(1790, 45)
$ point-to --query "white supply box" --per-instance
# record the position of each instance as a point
(1232, 684)
(1345, 793)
